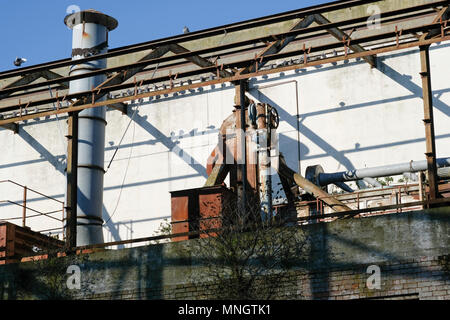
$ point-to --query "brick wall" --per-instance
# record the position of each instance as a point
(411, 250)
(424, 278)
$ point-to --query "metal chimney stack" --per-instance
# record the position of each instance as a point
(90, 37)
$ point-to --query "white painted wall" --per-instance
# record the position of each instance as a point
(350, 116)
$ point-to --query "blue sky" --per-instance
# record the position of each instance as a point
(34, 29)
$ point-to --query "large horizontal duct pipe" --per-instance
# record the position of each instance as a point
(310, 187)
(376, 172)
(90, 38)
(444, 173)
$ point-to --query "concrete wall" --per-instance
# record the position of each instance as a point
(346, 116)
(411, 249)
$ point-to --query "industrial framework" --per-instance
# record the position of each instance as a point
(179, 64)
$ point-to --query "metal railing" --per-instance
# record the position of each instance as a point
(102, 246)
(26, 209)
(356, 199)
(322, 217)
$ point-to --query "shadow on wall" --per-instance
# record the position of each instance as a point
(311, 135)
(341, 155)
(405, 80)
(170, 145)
(59, 164)
(351, 244)
(286, 143)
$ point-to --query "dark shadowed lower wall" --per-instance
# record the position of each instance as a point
(411, 251)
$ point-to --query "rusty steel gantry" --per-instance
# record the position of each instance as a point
(234, 61)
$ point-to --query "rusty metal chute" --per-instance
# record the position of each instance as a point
(310, 187)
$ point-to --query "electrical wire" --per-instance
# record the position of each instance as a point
(125, 175)
(59, 125)
(131, 152)
(128, 126)
(121, 140)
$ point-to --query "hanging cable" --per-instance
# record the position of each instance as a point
(121, 140)
(58, 123)
(128, 126)
(124, 176)
(129, 157)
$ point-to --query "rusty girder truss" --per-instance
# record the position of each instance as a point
(180, 69)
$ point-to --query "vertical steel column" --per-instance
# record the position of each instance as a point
(428, 121)
(241, 88)
(72, 179)
(90, 38)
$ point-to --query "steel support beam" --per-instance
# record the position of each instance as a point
(429, 121)
(14, 127)
(233, 79)
(50, 75)
(25, 80)
(342, 36)
(119, 106)
(71, 176)
(123, 76)
(276, 46)
(201, 62)
(293, 33)
(241, 125)
(267, 20)
(443, 15)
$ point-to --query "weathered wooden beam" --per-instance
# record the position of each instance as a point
(218, 175)
(340, 35)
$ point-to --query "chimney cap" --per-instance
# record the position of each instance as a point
(90, 16)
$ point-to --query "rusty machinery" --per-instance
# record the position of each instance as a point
(262, 160)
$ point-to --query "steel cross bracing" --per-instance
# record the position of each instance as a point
(228, 62)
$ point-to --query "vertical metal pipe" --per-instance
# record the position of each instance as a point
(90, 37)
(428, 121)
(241, 88)
(421, 180)
(24, 210)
